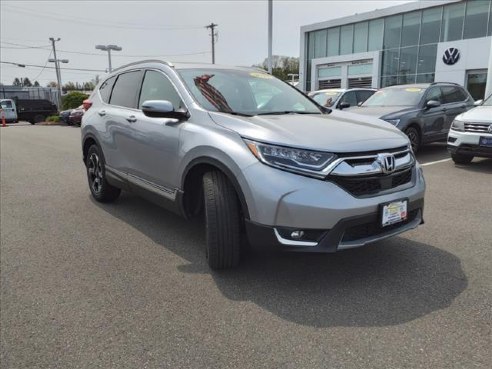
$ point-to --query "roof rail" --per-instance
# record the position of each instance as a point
(169, 64)
(448, 83)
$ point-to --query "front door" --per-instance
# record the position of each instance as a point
(155, 141)
(434, 119)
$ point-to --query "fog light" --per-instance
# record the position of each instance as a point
(297, 235)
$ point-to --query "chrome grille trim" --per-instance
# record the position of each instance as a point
(356, 166)
(477, 127)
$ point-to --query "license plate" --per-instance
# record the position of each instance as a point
(486, 141)
(394, 212)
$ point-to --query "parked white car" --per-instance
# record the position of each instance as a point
(341, 98)
(9, 110)
(471, 134)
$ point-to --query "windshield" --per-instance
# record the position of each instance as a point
(245, 92)
(488, 102)
(326, 98)
(6, 104)
(408, 96)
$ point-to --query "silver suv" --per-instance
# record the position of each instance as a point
(257, 157)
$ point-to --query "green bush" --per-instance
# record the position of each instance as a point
(73, 100)
(53, 118)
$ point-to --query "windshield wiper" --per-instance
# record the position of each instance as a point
(235, 113)
(286, 112)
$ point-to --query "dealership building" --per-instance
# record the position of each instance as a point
(417, 42)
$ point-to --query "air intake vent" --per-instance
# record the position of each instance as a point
(364, 82)
(329, 83)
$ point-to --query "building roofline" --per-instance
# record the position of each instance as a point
(374, 14)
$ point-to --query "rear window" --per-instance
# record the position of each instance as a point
(451, 94)
(126, 89)
(106, 88)
(7, 104)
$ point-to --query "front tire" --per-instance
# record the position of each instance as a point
(414, 137)
(222, 221)
(101, 190)
(461, 159)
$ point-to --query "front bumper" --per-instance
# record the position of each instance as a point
(335, 219)
(348, 233)
(467, 143)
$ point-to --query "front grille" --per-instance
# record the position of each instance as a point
(373, 229)
(365, 186)
(402, 150)
(477, 127)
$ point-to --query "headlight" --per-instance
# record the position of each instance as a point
(291, 159)
(395, 122)
(458, 125)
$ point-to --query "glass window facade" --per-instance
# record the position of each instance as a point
(408, 41)
(476, 18)
(346, 39)
(360, 37)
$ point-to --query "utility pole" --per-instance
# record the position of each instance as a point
(270, 33)
(213, 34)
(57, 68)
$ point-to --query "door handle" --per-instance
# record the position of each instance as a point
(102, 113)
(131, 119)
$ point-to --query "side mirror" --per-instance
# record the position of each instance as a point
(432, 104)
(343, 105)
(478, 102)
(163, 109)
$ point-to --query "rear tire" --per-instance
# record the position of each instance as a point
(414, 137)
(38, 118)
(222, 221)
(101, 190)
(461, 159)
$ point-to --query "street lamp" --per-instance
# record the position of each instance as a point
(108, 48)
(58, 75)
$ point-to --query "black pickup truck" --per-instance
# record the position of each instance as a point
(35, 111)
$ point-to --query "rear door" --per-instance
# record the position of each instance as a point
(119, 117)
(454, 99)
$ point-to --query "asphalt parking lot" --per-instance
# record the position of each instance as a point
(126, 285)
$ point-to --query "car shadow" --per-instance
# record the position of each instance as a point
(478, 165)
(388, 283)
(432, 152)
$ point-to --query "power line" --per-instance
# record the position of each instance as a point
(44, 67)
(99, 54)
(41, 66)
(103, 24)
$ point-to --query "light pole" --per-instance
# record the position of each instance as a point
(57, 68)
(108, 48)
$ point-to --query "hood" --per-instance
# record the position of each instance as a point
(478, 114)
(386, 112)
(337, 132)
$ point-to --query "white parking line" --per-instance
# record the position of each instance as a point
(435, 162)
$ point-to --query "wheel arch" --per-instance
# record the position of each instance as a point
(88, 141)
(191, 183)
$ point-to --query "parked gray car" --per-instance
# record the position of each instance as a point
(254, 155)
(423, 111)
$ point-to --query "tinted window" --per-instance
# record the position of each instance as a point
(126, 89)
(411, 29)
(6, 104)
(452, 94)
(477, 15)
(350, 98)
(156, 86)
(346, 39)
(363, 95)
(105, 89)
(452, 26)
(333, 41)
(375, 41)
(392, 31)
(360, 37)
(435, 94)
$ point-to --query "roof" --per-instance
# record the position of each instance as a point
(187, 65)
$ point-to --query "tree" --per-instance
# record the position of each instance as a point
(52, 84)
(36, 84)
(16, 82)
(73, 99)
(282, 66)
(26, 82)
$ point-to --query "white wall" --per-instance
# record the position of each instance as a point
(474, 55)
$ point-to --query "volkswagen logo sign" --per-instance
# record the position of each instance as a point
(386, 162)
(451, 56)
(490, 129)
